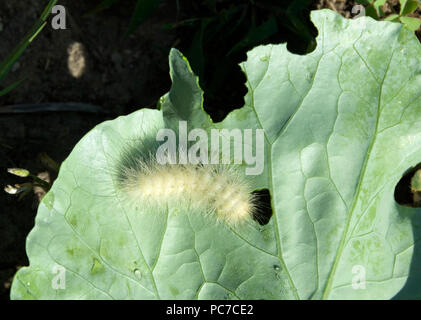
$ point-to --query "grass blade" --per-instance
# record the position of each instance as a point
(7, 64)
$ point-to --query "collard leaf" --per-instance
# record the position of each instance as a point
(342, 125)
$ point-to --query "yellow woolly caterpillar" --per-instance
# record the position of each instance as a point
(215, 189)
(164, 170)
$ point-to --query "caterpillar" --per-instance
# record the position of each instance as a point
(220, 190)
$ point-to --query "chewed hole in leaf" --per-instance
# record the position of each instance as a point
(263, 211)
(404, 193)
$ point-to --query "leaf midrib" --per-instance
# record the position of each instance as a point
(339, 252)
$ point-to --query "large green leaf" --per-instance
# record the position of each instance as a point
(342, 125)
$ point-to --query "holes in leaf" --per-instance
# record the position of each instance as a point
(403, 193)
(216, 41)
(263, 211)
